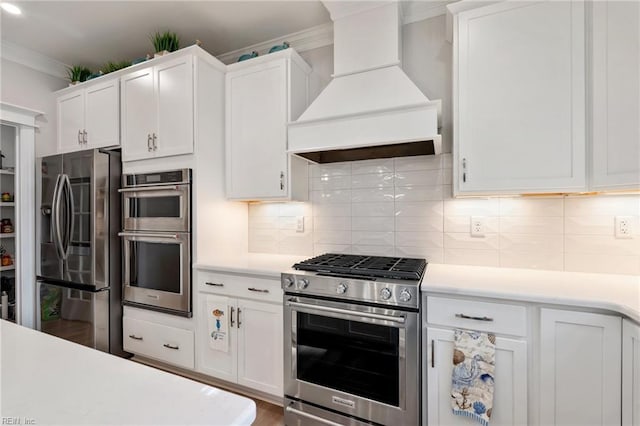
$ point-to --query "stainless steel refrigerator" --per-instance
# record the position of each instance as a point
(79, 286)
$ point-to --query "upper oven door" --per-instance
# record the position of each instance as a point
(157, 208)
(360, 360)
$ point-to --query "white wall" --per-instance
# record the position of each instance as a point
(24, 86)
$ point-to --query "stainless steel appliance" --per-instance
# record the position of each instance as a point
(352, 340)
(157, 241)
(79, 275)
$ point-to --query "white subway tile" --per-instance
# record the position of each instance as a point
(603, 205)
(531, 225)
(420, 177)
(372, 195)
(263, 241)
(324, 183)
(328, 223)
(532, 242)
(291, 242)
(531, 206)
(591, 225)
(422, 162)
(419, 224)
(447, 176)
(419, 208)
(290, 223)
(433, 255)
(602, 263)
(373, 250)
(295, 209)
(463, 224)
(373, 209)
(332, 210)
(264, 209)
(598, 244)
(378, 238)
(466, 241)
(531, 260)
(419, 239)
(333, 169)
(263, 222)
(472, 207)
(381, 223)
(319, 249)
(332, 237)
(418, 193)
(458, 256)
(447, 192)
(447, 161)
(379, 180)
(331, 196)
(384, 165)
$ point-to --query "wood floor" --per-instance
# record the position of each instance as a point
(268, 414)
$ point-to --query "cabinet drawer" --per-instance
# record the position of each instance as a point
(496, 318)
(169, 344)
(240, 286)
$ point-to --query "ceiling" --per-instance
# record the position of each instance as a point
(92, 32)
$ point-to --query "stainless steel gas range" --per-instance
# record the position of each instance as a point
(352, 340)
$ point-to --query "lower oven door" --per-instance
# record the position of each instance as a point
(359, 360)
(157, 270)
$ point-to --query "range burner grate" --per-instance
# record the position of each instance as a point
(370, 266)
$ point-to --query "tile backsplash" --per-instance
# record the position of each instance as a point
(404, 207)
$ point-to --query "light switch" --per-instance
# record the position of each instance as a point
(300, 224)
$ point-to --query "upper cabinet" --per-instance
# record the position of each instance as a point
(157, 110)
(262, 96)
(616, 95)
(88, 117)
(519, 98)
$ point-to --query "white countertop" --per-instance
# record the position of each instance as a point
(267, 265)
(53, 381)
(618, 293)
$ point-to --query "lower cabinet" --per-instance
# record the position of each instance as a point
(580, 368)
(630, 373)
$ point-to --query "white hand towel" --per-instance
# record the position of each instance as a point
(217, 322)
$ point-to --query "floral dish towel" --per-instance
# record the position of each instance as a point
(474, 356)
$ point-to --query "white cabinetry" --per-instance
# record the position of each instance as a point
(510, 397)
(157, 109)
(254, 355)
(262, 96)
(630, 373)
(88, 116)
(616, 95)
(519, 98)
(580, 368)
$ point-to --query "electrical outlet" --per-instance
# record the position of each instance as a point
(300, 224)
(477, 226)
(623, 227)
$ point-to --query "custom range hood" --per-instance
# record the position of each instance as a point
(370, 109)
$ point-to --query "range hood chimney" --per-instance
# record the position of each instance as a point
(370, 109)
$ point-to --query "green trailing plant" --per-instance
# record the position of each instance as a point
(114, 66)
(78, 73)
(165, 41)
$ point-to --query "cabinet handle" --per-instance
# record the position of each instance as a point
(464, 170)
(433, 353)
(134, 337)
(487, 319)
(84, 136)
(149, 142)
(258, 290)
(79, 136)
(231, 320)
(155, 145)
(168, 346)
(239, 323)
(214, 284)
(281, 181)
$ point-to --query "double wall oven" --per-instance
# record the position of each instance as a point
(157, 240)
(352, 341)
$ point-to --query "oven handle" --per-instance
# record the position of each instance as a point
(399, 320)
(147, 235)
(150, 188)
(311, 417)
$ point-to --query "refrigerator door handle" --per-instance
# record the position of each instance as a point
(69, 215)
(55, 218)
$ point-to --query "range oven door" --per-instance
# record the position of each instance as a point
(162, 208)
(359, 360)
(157, 270)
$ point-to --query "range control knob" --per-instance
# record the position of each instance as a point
(405, 296)
(288, 282)
(303, 283)
(342, 288)
(385, 293)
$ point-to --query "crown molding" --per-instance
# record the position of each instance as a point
(414, 11)
(32, 59)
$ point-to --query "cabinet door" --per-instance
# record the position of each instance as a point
(138, 114)
(174, 96)
(519, 94)
(257, 131)
(580, 367)
(70, 121)
(510, 395)
(102, 114)
(616, 95)
(630, 374)
(260, 353)
(213, 362)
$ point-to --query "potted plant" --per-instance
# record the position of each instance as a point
(114, 66)
(165, 42)
(77, 74)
